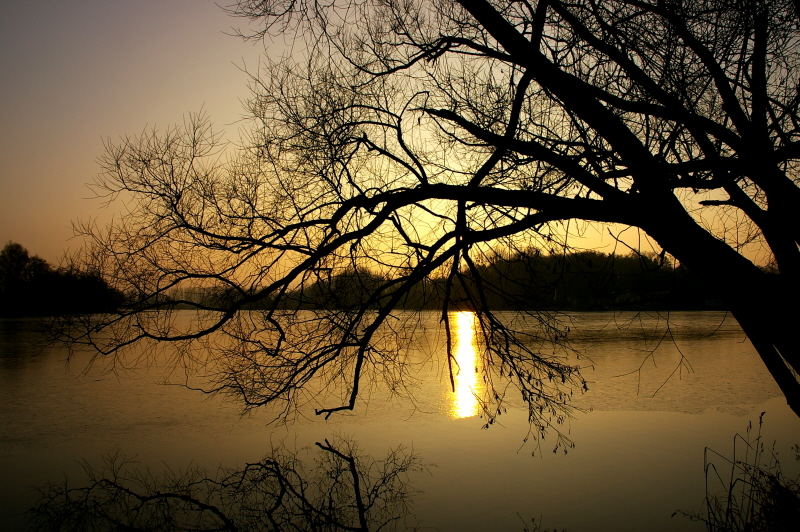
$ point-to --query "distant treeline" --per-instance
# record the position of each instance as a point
(29, 286)
(591, 280)
(586, 280)
(579, 281)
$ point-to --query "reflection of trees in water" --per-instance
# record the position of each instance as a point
(535, 525)
(341, 490)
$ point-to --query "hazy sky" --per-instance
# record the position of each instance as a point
(75, 72)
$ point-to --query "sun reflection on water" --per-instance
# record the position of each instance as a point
(464, 398)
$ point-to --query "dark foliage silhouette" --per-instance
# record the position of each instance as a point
(586, 280)
(30, 286)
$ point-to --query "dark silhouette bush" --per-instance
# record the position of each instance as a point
(29, 286)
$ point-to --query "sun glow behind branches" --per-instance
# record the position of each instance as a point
(464, 398)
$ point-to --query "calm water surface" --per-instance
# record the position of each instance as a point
(662, 387)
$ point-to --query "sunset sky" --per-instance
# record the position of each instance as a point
(77, 72)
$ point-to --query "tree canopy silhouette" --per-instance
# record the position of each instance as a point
(410, 138)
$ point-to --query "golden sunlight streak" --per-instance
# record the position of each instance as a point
(464, 398)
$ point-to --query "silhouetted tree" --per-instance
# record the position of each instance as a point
(408, 138)
(18, 267)
(30, 286)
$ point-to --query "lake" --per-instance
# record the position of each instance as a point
(662, 387)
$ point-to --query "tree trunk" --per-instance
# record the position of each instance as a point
(756, 299)
(772, 339)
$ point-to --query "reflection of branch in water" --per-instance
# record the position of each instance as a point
(662, 336)
(535, 525)
(342, 491)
